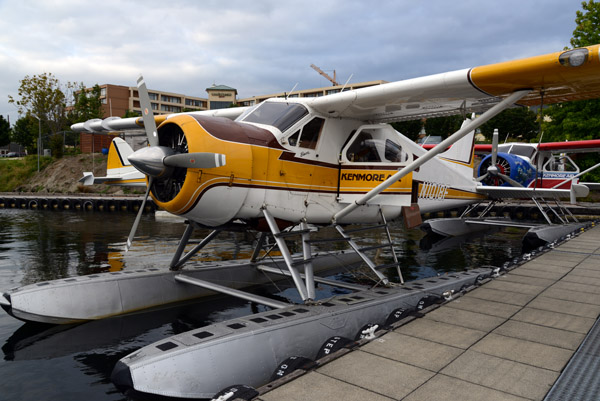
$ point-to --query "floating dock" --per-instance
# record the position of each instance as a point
(530, 334)
(83, 203)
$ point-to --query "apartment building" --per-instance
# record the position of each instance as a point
(117, 100)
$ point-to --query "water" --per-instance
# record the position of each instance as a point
(74, 362)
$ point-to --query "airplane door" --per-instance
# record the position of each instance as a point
(300, 176)
(370, 157)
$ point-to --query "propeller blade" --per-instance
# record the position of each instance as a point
(510, 180)
(195, 160)
(147, 115)
(483, 177)
(139, 216)
(494, 146)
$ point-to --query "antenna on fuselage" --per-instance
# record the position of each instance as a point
(348, 80)
(290, 92)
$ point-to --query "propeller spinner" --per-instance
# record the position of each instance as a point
(495, 171)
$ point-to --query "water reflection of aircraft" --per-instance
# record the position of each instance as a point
(43, 341)
(278, 167)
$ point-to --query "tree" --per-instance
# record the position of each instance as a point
(4, 132)
(87, 104)
(517, 123)
(25, 133)
(587, 33)
(56, 145)
(443, 126)
(131, 113)
(42, 96)
(409, 128)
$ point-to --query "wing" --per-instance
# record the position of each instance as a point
(483, 148)
(136, 123)
(592, 145)
(561, 76)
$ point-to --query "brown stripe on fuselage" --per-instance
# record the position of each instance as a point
(228, 130)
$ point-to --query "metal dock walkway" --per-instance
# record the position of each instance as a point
(509, 339)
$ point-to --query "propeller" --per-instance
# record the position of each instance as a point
(494, 174)
(165, 166)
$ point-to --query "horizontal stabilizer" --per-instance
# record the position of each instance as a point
(119, 170)
(130, 178)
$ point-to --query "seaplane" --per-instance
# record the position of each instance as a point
(287, 167)
(537, 165)
(525, 165)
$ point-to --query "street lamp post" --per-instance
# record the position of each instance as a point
(39, 138)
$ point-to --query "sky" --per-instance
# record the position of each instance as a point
(266, 46)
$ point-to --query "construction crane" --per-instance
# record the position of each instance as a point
(332, 80)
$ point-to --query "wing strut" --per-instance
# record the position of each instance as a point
(439, 148)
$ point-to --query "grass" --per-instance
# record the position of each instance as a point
(14, 172)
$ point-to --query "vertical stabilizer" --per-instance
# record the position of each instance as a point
(118, 154)
(463, 151)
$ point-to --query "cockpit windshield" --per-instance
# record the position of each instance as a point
(520, 150)
(279, 115)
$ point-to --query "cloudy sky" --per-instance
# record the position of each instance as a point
(266, 46)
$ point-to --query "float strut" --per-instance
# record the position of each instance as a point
(177, 260)
(287, 257)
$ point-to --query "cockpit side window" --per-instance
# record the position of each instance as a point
(311, 132)
(308, 136)
(279, 115)
(293, 139)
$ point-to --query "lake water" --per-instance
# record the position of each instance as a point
(44, 362)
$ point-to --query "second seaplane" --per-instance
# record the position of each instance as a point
(282, 168)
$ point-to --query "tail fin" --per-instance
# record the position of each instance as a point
(117, 154)
(118, 169)
(463, 151)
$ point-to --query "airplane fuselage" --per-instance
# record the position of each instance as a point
(279, 158)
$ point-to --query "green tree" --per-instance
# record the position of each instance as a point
(443, 126)
(517, 123)
(4, 131)
(587, 33)
(56, 145)
(131, 113)
(409, 129)
(25, 133)
(44, 96)
(87, 104)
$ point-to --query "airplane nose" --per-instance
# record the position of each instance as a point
(121, 377)
(149, 160)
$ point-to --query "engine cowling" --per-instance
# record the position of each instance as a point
(210, 196)
(515, 167)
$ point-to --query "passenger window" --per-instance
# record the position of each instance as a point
(394, 153)
(363, 149)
